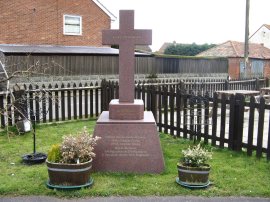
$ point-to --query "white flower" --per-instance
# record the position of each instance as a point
(196, 156)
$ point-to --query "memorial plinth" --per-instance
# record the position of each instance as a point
(129, 138)
(130, 146)
(126, 110)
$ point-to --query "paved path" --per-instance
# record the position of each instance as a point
(133, 199)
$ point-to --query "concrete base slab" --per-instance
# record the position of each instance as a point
(128, 146)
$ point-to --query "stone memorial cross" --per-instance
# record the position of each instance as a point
(126, 37)
(129, 138)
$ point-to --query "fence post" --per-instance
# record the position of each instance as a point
(214, 119)
(236, 132)
(2, 107)
(226, 85)
(37, 104)
(86, 101)
(74, 101)
(257, 84)
(251, 125)
(97, 99)
(182, 85)
(80, 101)
(178, 110)
(266, 82)
(57, 103)
(63, 104)
(160, 104)
(50, 108)
(185, 122)
(154, 101)
(206, 118)
(68, 103)
(148, 98)
(92, 100)
(165, 104)
(260, 127)
(231, 121)
(171, 103)
(44, 104)
(103, 95)
(143, 94)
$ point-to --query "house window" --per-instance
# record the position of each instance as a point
(72, 25)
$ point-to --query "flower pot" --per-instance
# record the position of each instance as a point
(193, 176)
(69, 174)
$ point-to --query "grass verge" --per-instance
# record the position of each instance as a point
(233, 174)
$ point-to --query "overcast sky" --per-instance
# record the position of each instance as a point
(188, 21)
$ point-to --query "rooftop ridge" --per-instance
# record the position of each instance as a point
(232, 43)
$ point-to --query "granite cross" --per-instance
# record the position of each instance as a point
(126, 37)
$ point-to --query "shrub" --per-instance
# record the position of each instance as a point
(196, 156)
(54, 154)
(74, 149)
(78, 149)
(152, 76)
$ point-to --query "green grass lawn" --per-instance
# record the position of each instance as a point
(233, 174)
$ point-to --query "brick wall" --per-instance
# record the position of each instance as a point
(41, 22)
(266, 70)
(234, 67)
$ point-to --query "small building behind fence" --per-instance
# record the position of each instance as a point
(258, 63)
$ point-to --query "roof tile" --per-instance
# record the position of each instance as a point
(236, 49)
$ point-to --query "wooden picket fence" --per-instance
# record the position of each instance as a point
(220, 121)
(208, 85)
(172, 119)
(54, 103)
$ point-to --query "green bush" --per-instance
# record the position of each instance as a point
(152, 76)
(187, 49)
(54, 154)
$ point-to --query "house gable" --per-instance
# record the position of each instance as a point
(41, 22)
(102, 7)
(261, 36)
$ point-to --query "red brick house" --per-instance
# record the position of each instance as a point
(53, 22)
(259, 58)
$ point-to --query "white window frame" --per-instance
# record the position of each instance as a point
(64, 23)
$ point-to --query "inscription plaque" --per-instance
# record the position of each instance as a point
(124, 146)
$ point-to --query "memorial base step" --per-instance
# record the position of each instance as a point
(125, 110)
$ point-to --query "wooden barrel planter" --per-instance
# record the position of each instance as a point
(193, 176)
(69, 174)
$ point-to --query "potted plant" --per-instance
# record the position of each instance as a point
(193, 170)
(70, 162)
